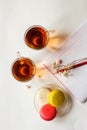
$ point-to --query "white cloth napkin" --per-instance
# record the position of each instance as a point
(75, 47)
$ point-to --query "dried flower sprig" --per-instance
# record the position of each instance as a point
(66, 69)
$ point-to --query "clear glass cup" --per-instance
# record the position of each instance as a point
(37, 37)
(23, 69)
(55, 96)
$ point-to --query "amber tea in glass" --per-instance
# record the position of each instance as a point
(37, 37)
(23, 69)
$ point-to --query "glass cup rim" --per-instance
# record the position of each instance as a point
(40, 26)
(20, 58)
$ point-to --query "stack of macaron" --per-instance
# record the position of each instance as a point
(47, 102)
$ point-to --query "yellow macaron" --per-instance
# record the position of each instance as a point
(56, 98)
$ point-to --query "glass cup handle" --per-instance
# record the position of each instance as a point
(52, 33)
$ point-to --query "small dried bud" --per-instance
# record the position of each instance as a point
(58, 62)
(28, 86)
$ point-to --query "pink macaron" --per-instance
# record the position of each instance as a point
(48, 112)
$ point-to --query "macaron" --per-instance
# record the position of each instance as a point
(41, 96)
(48, 112)
(56, 98)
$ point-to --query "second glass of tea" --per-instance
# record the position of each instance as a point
(23, 69)
(37, 37)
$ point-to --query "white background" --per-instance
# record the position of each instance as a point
(17, 110)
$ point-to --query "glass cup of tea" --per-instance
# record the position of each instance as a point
(23, 69)
(37, 37)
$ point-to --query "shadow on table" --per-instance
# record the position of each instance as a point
(55, 43)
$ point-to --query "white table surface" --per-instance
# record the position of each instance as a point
(17, 110)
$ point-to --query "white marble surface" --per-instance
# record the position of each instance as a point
(17, 110)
